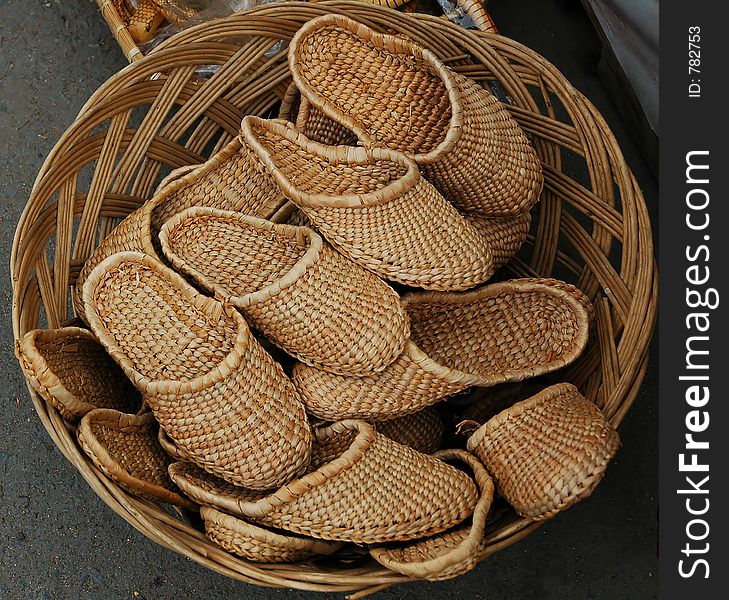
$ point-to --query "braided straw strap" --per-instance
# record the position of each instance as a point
(71, 370)
(361, 487)
(498, 333)
(374, 207)
(547, 452)
(126, 449)
(300, 293)
(232, 179)
(451, 553)
(422, 431)
(392, 92)
(258, 544)
(217, 393)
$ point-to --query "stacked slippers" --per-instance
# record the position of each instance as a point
(272, 333)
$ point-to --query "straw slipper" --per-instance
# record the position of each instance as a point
(71, 370)
(221, 398)
(547, 452)
(391, 92)
(374, 207)
(361, 487)
(299, 292)
(125, 448)
(498, 333)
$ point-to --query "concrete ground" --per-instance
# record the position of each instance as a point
(61, 542)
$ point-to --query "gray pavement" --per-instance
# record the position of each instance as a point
(59, 541)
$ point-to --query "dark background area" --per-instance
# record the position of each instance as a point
(59, 541)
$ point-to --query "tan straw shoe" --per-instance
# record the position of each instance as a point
(232, 179)
(375, 207)
(392, 92)
(361, 487)
(126, 449)
(298, 291)
(218, 394)
(70, 369)
(255, 543)
(547, 452)
(451, 553)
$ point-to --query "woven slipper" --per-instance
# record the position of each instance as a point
(498, 333)
(548, 452)
(451, 553)
(232, 179)
(374, 207)
(299, 292)
(125, 448)
(70, 369)
(258, 544)
(422, 431)
(221, 398)
(391, 92)
(361, 487)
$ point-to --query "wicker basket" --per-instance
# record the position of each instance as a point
(591, 230)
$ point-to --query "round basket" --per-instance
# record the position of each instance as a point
(591, 227)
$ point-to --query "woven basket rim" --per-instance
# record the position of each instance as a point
(309, 258)
(210, 306)
(336, 155)
(395, 45)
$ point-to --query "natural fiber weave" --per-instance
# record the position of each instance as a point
(502, 332)
(217, 393)
(502, 235)
(126, 449)
(300, 293)
(591, 227)
(422, 431)
(233, 179)
(361, 487)
(209, 490)
(451, 553)
(375, 207)
(258, 544)
(313, 123)
(392, 92)
(170, 447)
(71, 370)
(548, 452)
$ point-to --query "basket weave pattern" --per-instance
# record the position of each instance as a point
(591, 230)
